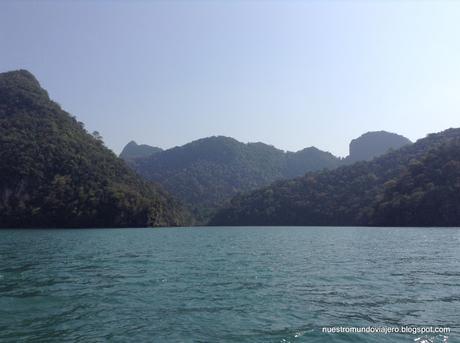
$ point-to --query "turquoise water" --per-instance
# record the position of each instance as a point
(227, 284)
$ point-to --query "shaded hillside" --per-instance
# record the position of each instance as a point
(427, 193)
(418, 184)
(54, 174)
(133, 150)
(206, 173)
(374, 144)
(308, 159)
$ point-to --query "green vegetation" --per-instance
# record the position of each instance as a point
(207, 173)
(417, 185)
(54, 174)
(427, 192)
(132, 150)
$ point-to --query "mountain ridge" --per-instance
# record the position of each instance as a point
(55, 174)
(206, 173)
(355, 194)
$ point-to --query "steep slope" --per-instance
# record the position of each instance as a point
(416, 185)
(54, 174)
(206, 173)
(374, 144)
(133, 150)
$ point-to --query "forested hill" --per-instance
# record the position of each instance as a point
(133, 150)
(417, 185)
(206, 173)
(54, 174)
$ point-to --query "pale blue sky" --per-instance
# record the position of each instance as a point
(288, 73)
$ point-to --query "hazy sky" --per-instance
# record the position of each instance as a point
(292, 74)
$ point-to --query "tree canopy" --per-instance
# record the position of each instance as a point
(55, 174)
(207, 173)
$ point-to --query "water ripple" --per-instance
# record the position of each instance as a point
(227, 284)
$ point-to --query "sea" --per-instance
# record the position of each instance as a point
(230, 284)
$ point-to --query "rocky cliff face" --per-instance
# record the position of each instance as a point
(374, 144)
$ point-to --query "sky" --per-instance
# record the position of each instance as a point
(292, 74)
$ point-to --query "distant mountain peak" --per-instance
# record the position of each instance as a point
(373, 144)
(132, 150)
(217, 138)
(20, 73)
(309, 149)
(21, 80)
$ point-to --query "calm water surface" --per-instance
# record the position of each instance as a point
(227, 284)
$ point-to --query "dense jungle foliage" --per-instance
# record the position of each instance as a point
(417, 185)
(207, 173)
(55, 174)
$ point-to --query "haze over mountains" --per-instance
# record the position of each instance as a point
(363, 148)
(54, 174)
(373, 144)
(207, 173)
